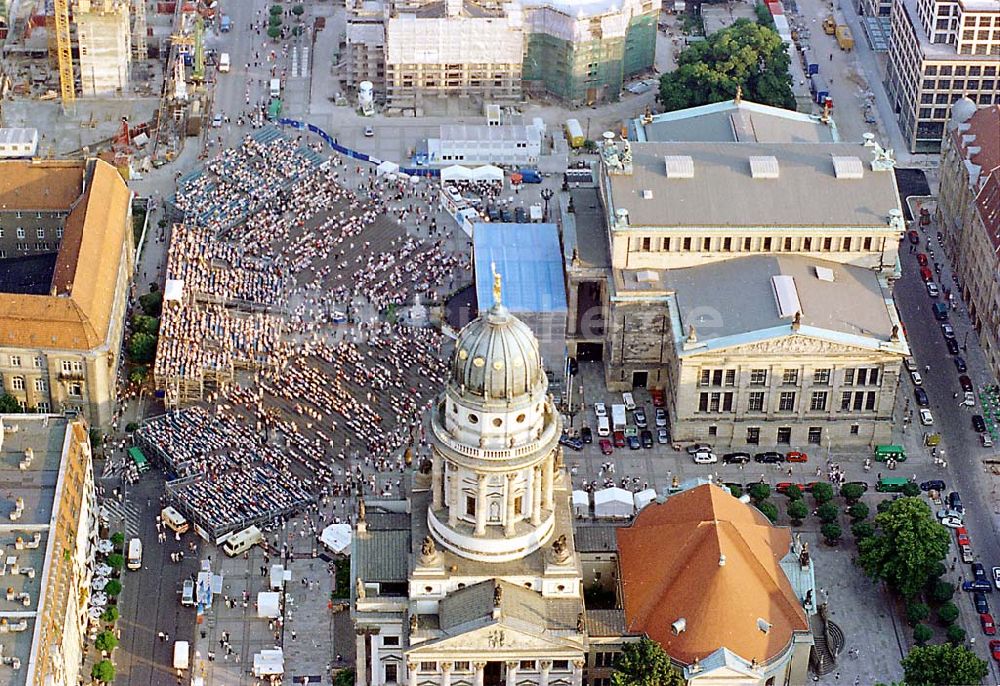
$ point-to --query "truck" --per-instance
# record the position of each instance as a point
(844, 39)
(135, 554)
(224, 63)
(225, 23)
(618, 420)
(820, 89)
(182, 655)
(275, 88)
(829, 25)
(809, 62)
(574, 133)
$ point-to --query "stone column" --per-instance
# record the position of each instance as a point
(481, 506)
(548, 483)
(512, 673)
(436, 480)
(361, 659)
(480, 666)
(545, 666)
(577, 678)
(411, 673)
(446, 673)
(536, 495)
(508, 529)
(453, 495)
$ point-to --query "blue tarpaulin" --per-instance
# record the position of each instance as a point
(529, 259)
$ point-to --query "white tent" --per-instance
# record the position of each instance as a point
(456, 172)
(644, 498)
(337, 537)
(268, 663)
(613, 503)
(386, 167)
(581, 503)
(487, 172)
(268, 604)
(174, 289)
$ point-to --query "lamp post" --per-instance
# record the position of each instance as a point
(546, 196)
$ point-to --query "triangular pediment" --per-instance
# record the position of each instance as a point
(785, 346)
(495, 638)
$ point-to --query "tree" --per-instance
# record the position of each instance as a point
(344, 677)
(142, 347)
(827, 512)
(110, 616)
(273, 32)
(947, 613)
(139, 374)
(103, 671)
(116, 561)
(298, 10)
(113, 588)
(150, 325)
(106, 641)
(955, 634)
(769, 510)
(151, 303)
(831, 532)
(916, 613)
(852, 492)
(745, 55)
(858, 512)
(793, 492)
(797, 511)
(911, 489)
(275, 20)
(118, 540)
(644, 664)
(276, 9)
(822, 493)
(906, 546)
(759, 491)
(942, 591)
(10, 405)
(736, 490)
(922, 633)
(943, 664)
(862, 530)
(764, 17)
(938, 570)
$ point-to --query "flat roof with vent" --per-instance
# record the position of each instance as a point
(848, 167)
(679, 166)
(764, 167)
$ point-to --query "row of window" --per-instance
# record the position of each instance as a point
(959, 70)
(18, 383)
(959, 85)
(68, 366)
(39, 232)
(748, 243)
(783, 434)
(530, 665)
(20, 214)
(854, 376)
(855, 401)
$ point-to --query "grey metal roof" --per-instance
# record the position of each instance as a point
(476, 602)
(585, 230)
(606, 622)
(382, 556)
(731, 121)
(805, 194)
(387, 520)
(735, 297)
(596, 539)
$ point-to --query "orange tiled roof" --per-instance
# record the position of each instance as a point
(78, 316)
(670, 569)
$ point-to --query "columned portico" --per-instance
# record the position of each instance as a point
(536, 496)
(453, 494)
(577, 678)
(481, 505)
(411, 673)
(544, 667)
(436, 481)
(446, 673)
(548, 483)
(512, 673)
(509, 501)
(480, 667)
(360, 678)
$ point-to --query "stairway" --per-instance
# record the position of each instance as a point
(822, 659)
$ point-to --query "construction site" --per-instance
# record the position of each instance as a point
(123, 79)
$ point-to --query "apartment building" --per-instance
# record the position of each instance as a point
(968, 211)
(941, 51)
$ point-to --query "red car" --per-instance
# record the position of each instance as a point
(926, 274)
(619, 437)
(657, 395)
(962, 536)
(914, 237)
(995, 649)
(606, 448)
(782, 486)
(796, 456)
(921, 259)
(986, 620)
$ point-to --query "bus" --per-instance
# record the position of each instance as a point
(138, 459)
(884, 453)
(135, 554)
(174, 519)
(242, 541)
(891, 484)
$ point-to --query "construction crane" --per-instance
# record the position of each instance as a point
(198, 74)
(64, 47)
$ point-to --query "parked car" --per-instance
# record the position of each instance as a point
(619, 438)
(699, 448)
(978, 423)
(187, 593)
(986, 621)
(662, 436)
(921, 259)
(369, 132)
(947, 330)
(796, 456)
(506, 216)
(951, 522)
(979, 571)
(966, 554)
(966, 383)
(911, 364)
(917, 379)
(657, 395)
(932, 289)
(962, 536)
(921, 397)
(633, 442)
(640, 417)
(996, 577)
(932, 485)
(955, 501)
(926, 418)
(661, 416)
(995, 650)
(735, 458)
(979, 600)
(606, 448)
(571, 442)
(769, 457)
(926, 274)
(629, 401)
(952, 345)
(586, 435)
(949, 512)
(600, 409)
(705, 458)
(986, 439)
(647, 438)
(960, 364)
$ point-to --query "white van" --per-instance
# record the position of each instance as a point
(603, 426)
(275, 88)
(182, 655)
(135, 554)
(174, 519)
(224, 63)
(242, 541)
(629, 401)
(187, 593)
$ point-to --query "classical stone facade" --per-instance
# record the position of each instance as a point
(482, 584)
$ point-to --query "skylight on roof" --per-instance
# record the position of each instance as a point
(824, 273)
(764, 166)
(679, 166)
(848, 167)
(647, 194)
(786, 296)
